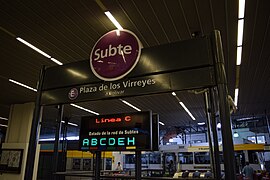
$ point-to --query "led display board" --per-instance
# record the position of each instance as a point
(117, 132)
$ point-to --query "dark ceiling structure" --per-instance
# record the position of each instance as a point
(67, 31)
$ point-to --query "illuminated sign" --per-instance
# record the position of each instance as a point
(116, 132)
(115, 55)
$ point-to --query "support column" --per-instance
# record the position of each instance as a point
(97, 165)
(224, 109)
(214, 133)
(267, 121)
(64, 146)
(138, 165)
(209, 133)
(57, 138)
(33, 141)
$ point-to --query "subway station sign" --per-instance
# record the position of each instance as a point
(165, 68)
(116, 132)
(115, 54)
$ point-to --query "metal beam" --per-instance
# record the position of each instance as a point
(224, 108)
(31, 154)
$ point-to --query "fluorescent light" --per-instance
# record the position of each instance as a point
(186, 109)
(236, 92)
(39, 51)
(240, 32)
(33, 47)
(239, 55)
(201, 123)
(70, 138)
(23, 85)
(244, 119)
(3, 125)
(56, 61)
(235, 134)
(82, 108)
(114, 21)
(241, 9)
(127, 103)
(218, 125)
(47, 139)
(161, 123)
(72, 124)
(183, 105)
(4, 118)
(118, 33)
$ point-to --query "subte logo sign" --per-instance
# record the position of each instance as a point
(114, 55)
(73, 94)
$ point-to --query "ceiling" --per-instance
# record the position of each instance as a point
(67, 31)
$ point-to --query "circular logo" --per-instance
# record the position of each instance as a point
(73, 94)
(115, 54)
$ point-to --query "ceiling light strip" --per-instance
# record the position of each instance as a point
(241, 9)
(240, 31)
(72, 124)
(113, 20)
(23, 85)
(6, 119)
(161, 123)
(186, 109)
(33, 47)
(39, 51)
(56, 61)
(82, 108)
(3, 125)
(236, 93)
(70, 138)
(239, 55)
(183, 105)
(130, 105)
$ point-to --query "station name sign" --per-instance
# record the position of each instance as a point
(117, 132)
(141, 85)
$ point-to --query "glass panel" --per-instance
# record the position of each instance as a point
(252, 157)
(108, 164)
(130, 158)
(260, 139)
(144, 159)
(202, 158)
(86, 164)
(76, 164)
(221, 159)
(185, 158)
(155, 158)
